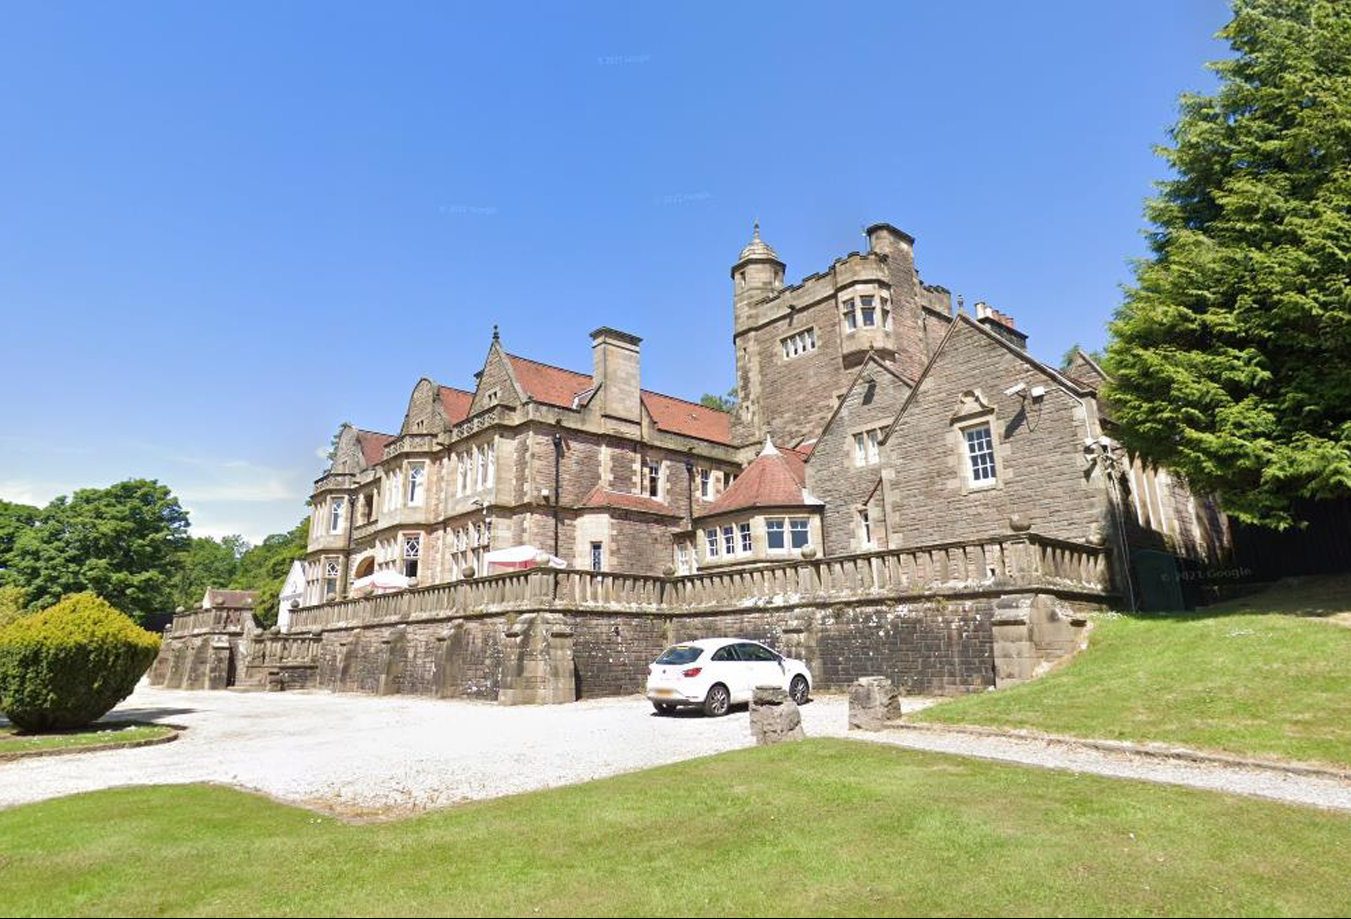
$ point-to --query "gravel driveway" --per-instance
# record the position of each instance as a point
(357, 754)
(365, 756)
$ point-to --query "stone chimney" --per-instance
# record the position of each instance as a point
(1001, 324)
(615, 358)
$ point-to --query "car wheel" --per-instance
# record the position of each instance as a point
(664, 708)
(798, 689)
(718, 701)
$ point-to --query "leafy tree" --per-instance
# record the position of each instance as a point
(14, 519)
(207, 563)
(1068, 357)
(727, 403)
(1232, 352)
(123, 543)
(13, 604)
(265, 566)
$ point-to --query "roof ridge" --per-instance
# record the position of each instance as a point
(693, 404)
(531, 360)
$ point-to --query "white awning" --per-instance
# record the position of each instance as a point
(523, 557)
(385, 579)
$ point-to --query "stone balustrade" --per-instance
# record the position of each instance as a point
(994, 566)
(210, 621)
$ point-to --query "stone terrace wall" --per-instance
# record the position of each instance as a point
(922, 617)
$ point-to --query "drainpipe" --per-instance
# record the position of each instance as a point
(558, 463)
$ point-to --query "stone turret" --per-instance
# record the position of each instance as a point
(758, 272)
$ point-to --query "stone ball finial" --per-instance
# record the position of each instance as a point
(542, 559)
(668, 571)
(467, 572)
(1095, 536)
(1019, 524)
(809, 552)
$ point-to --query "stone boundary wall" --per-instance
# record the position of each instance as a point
(940, 620)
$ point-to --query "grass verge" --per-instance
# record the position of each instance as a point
(826, 827)
(1266, 675)
(111, 734)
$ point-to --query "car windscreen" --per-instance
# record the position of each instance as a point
(680, 654)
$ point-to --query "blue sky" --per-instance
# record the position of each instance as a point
(227, 228)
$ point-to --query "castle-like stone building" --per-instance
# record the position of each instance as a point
(871, 416)
(902, 490)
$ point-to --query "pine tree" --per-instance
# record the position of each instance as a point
(1232, 352)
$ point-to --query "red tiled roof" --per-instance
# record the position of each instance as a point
(774, 479)
(550, 385)
(454, 402)
(372, 445)
(556, 386)
(603, 497)
(805, 448)
(688, 418)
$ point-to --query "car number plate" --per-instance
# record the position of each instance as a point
(664, 692)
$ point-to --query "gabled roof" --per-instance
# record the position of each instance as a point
(545, 383)
(870, 361)
(555, 386)
(690, 419)
(960, 321)
(604, 497)
(372, 444)
(774, 479)
(454, 402)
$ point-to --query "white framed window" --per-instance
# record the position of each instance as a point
(337, 510)
(331, 569)
(412, 554)
(597, 556)
(798, 343)
(865, 528)
(866, 449)
(417, 479)
(867, 311)
(774, 535)
(711, 541)
(980, 454)
(799, 532)
(729, 540)
(706, 484)
(653, 483)
(682, 558)
(850, 316)
(745, 532)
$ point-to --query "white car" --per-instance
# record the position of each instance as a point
(717, 673)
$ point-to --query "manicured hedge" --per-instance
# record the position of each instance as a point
(69, 664)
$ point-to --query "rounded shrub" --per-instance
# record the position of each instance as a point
(69, 664)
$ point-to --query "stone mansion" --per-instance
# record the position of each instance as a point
(871, 416)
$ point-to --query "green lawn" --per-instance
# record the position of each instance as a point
(1268, 675)
(824, 827)
(112, 733)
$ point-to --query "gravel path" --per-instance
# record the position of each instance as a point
(1314, 791)
(357, 755)
(364, 756)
